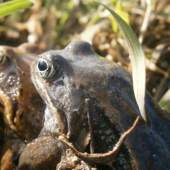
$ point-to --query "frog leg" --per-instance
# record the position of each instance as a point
(10, 154)
(102, 158)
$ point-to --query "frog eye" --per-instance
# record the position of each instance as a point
(4, 60)
(46, 68)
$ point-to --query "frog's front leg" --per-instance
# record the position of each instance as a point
(102, 158)
(10, 153)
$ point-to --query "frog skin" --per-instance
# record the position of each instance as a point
(42, 153)
(23, 113)
(66, 78)
(1, 128)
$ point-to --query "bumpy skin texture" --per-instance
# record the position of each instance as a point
(23, 113)
(43, 153)
(80, 74)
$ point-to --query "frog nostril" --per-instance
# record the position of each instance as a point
(42, 65)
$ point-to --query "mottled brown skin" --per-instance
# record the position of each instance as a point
(23, 113)
(1, 129)
(48, 153)
(11, 152)
(80, 74)
(43, 153)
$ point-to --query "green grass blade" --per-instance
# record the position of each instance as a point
(13, 6)
(137, 58)
(165, 101)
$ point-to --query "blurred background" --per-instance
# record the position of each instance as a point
(53, 24)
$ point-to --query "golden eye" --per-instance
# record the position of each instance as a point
(46, 68)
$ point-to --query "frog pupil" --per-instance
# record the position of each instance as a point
(42, 65)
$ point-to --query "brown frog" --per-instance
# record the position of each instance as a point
(23, 113)
(66, 79)
(1, 128)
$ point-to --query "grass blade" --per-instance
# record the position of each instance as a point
(137, 57)
(13, 6)
(165, 101)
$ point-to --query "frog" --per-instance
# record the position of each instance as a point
(1, 128)
(22, 114)
(66, 79)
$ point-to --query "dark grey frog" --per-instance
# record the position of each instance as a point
(90, 105)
